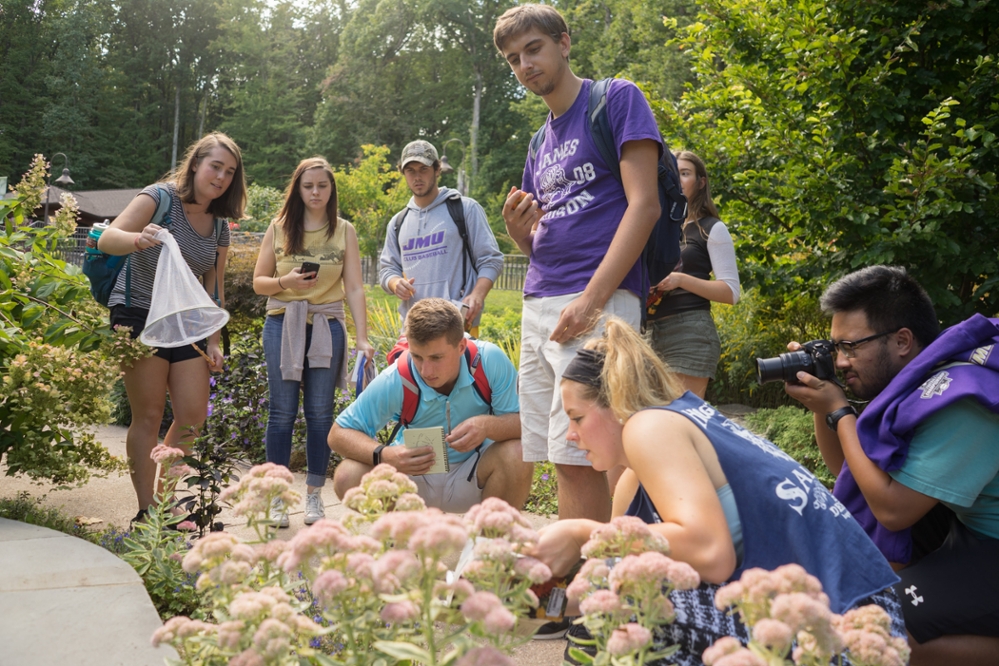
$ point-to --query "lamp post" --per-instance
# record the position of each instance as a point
(62, 180)
(447, 168)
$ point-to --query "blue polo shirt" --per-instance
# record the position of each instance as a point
(381, 401)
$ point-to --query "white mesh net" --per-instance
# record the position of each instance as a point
(181, 311)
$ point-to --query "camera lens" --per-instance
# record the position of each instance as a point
(783, 368)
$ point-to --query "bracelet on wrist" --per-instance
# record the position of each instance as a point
(136, 242)
(279, 283)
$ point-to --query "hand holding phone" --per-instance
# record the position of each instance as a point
(310, 267)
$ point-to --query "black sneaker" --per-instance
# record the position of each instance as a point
(578, 632)
(554, 630)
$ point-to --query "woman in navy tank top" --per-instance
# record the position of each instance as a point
(726, 499)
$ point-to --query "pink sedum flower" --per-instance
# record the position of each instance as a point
(773, 634)
(247, 658)
(400, 612)
(485, 656)
(165, 455)
(499, 621)
(329, 584)
(180, 628)
(601, 602)
(722, 647)
(627, 639)
(230, 634)
(479, 605)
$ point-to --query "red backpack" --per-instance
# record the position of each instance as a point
(411, 389)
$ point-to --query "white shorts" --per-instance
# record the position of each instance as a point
(452, 492)
(543, 423)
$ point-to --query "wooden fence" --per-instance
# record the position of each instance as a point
(73, 248)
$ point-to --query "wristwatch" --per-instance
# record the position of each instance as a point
(376, 457)
(832, 419)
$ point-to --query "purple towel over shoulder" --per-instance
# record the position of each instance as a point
(918, 391)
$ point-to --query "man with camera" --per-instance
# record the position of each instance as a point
(920, 468)
(465, 391)
(440, 244)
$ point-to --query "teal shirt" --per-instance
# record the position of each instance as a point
(954, 457)
(381, 401)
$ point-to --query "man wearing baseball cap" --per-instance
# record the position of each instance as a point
(440, 245)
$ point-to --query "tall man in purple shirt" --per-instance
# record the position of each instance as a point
(583, 231)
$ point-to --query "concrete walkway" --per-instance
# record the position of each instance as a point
(64, 600)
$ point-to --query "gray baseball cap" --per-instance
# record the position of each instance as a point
(418, 151)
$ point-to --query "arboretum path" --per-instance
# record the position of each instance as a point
(64, 600)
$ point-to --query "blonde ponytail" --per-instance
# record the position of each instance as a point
(633, 377)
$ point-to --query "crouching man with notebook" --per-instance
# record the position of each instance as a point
(456, 402)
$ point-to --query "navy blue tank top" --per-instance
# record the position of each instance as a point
(787, 515)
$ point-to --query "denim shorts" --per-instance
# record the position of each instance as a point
(687, 342)
(136, 319)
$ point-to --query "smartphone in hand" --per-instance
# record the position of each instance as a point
(310, 267)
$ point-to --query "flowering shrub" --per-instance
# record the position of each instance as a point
(57, 354)
(378, 581)
(788, 605)
(622, 592)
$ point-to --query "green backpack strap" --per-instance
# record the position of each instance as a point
(161, 218)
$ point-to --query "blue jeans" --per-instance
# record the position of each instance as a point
(318, 386)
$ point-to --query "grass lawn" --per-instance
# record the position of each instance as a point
(498, 301)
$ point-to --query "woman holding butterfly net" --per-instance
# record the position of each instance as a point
(205, 188)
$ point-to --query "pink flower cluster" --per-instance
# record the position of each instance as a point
(179, 628)
(258, 488)
(635, 575)
(729, 652)
(494, 518)
(486, 655)
(866, 633)
(592, 576)
(487, 608)
(431, 534)
(624, 535)
(322, 546)
(222, 559)
(166, 455)
(628, 638)
(381, 490)
(752, 593)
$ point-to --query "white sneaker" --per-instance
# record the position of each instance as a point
(314, 509)
(279, 513)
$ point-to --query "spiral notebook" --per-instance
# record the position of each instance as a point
(417, 437)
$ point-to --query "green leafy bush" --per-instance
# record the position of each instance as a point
(57, 354)
(792, 429)
(543, 499)
(240, 299)
(760, 327)
(262, 205)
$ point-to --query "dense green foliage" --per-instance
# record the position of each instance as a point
(844, 134)
(57, 355)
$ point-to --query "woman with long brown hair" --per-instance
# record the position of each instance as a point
(679, 326)
(207, 188)
(309, 262)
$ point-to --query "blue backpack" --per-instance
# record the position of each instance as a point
(102, 269)
(662, 250)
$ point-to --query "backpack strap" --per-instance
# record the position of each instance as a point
(536, 141)
(479, 380)
(410, 392)
(456, 209)
(219, 221)
(600, 128)
(162, 218)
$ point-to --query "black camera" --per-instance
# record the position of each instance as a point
(815, 358)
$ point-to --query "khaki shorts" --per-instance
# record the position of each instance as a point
(543, 423)
(452, 492)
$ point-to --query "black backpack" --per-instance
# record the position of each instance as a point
(457, 212)
(662, 250)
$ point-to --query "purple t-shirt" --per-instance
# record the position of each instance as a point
(581, 200)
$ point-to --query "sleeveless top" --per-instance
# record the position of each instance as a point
(787, 515)
(328, 253)
(696, 262)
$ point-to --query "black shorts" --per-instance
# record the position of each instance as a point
(136, 319)
(954, 590)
